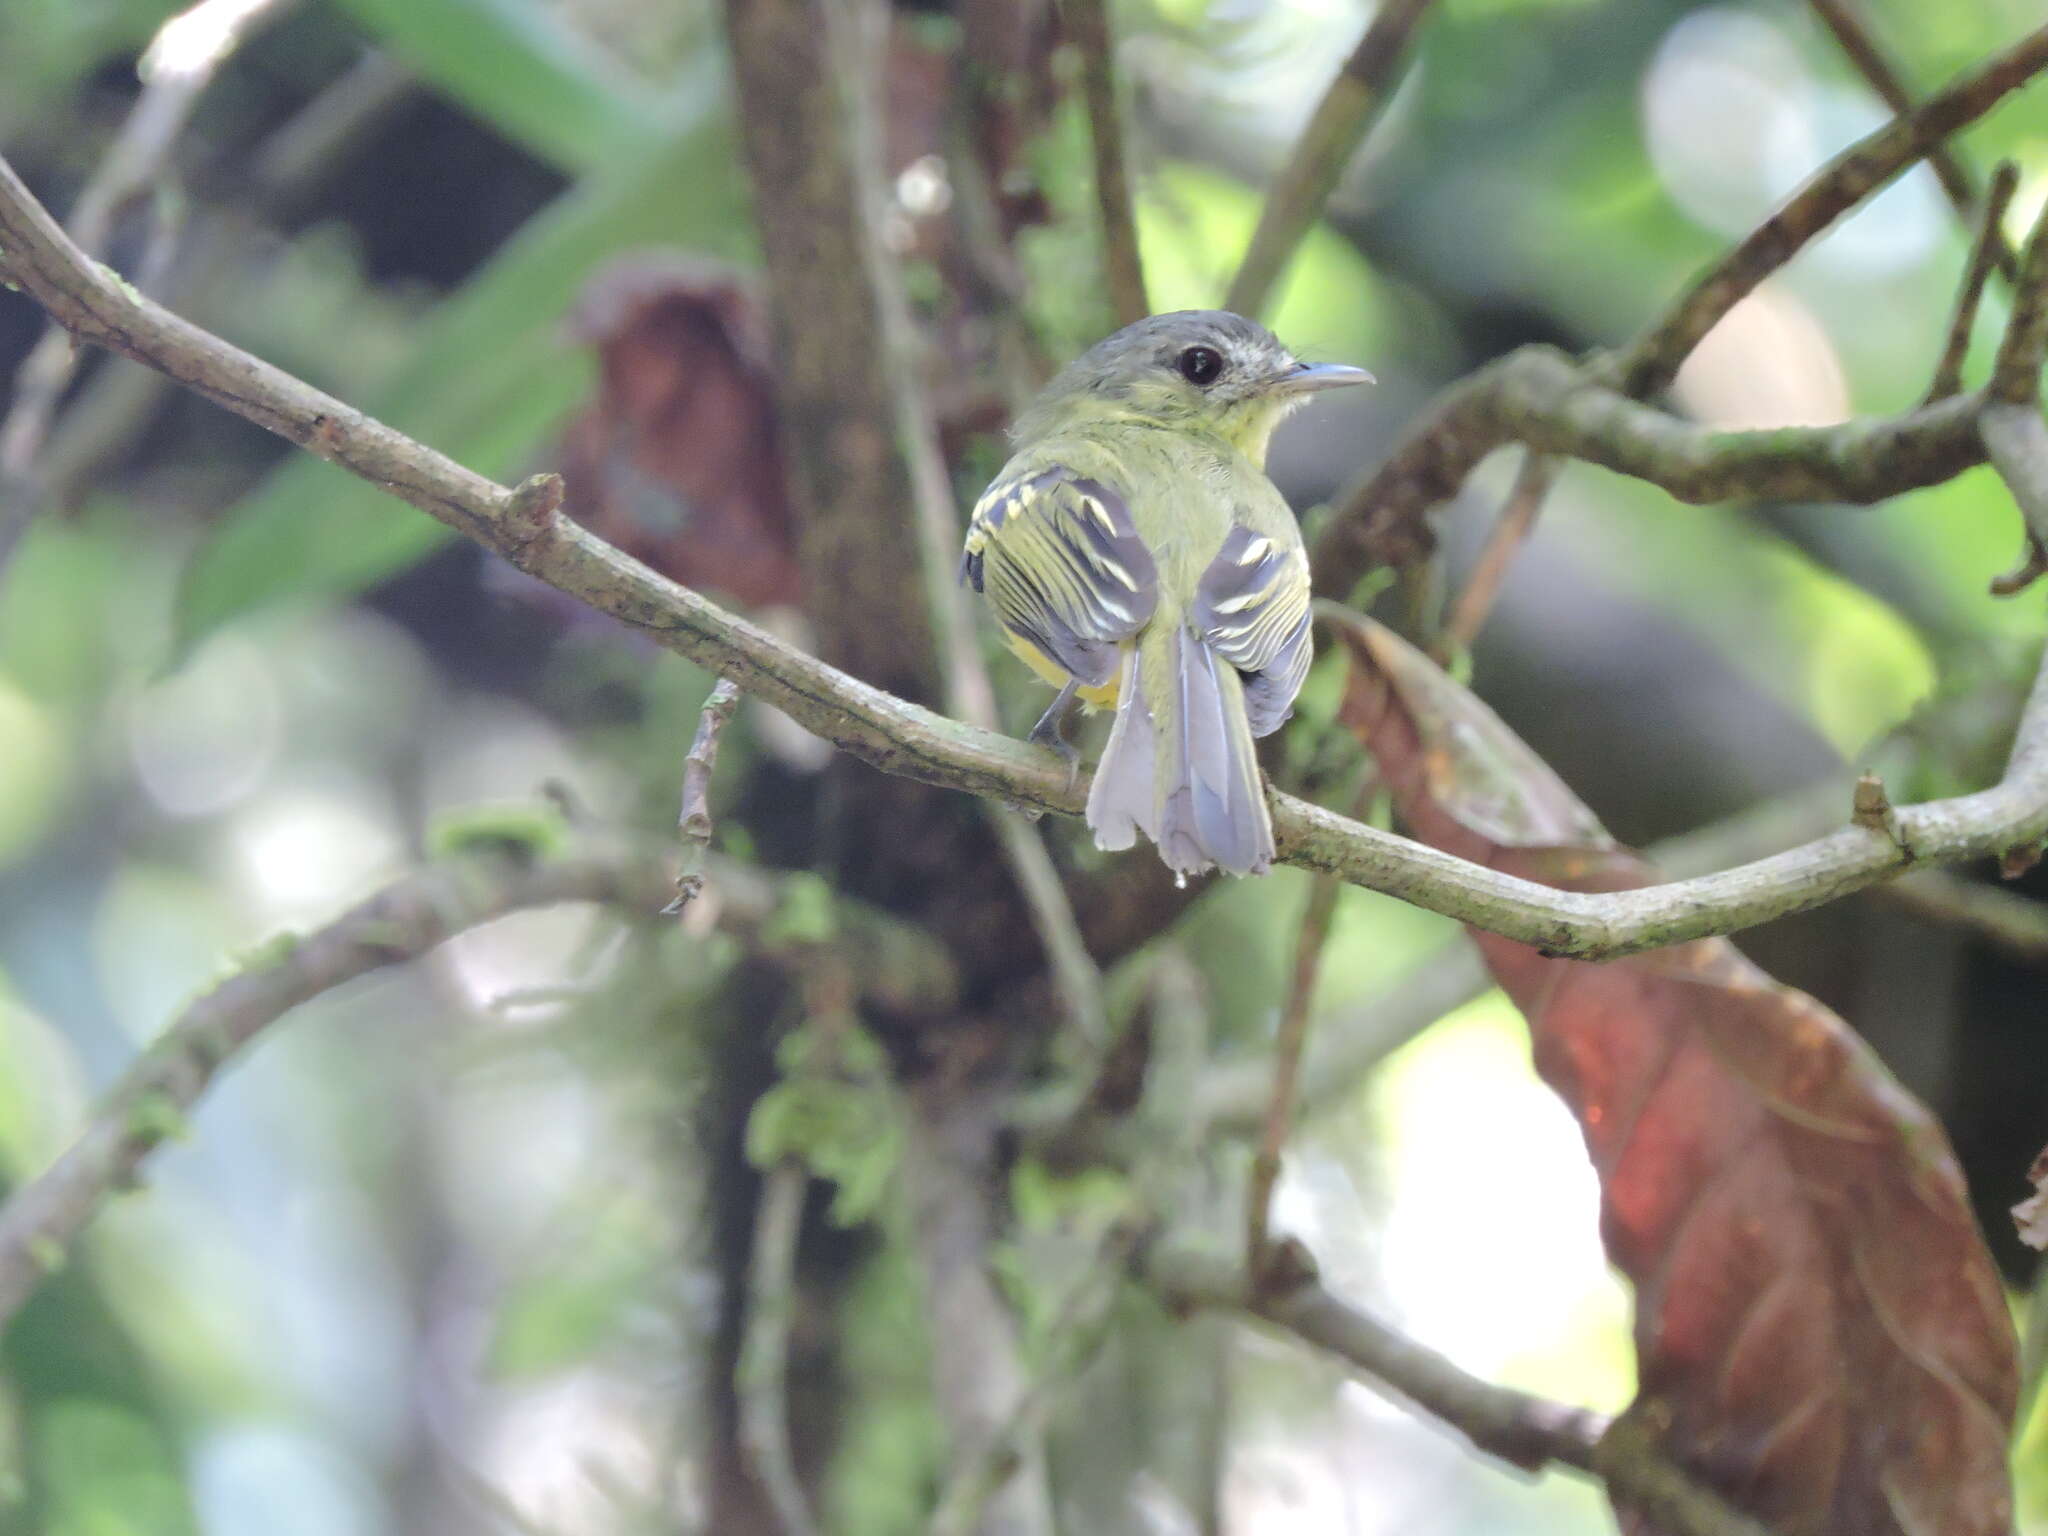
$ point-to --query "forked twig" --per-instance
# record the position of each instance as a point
(1844, 19)
(1948, 369)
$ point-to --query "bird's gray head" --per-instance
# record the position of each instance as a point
(1201, 371)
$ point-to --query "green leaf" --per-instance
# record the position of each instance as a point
(521, 68)
(835, 1113)
(490, 379)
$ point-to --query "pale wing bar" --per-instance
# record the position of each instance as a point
(1059, 557)
(1252, 606)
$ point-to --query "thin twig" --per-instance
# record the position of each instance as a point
(1845, 181)
(1521, 1429)
(1287, 1050)
(1511, 530)
(1852, 32)
(112, 409)
(2016, 374)
(694, 825)
(905, 739)
(763, 1375)
(1948, 369)
(177, 66)
(1338, 126)
(1088, 23)
(40, 1220)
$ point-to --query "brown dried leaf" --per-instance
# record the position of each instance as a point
(676, 460)
(1820, 1331)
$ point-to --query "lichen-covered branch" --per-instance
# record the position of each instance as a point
(906, 739)
(1544, 399)
(148, 1105)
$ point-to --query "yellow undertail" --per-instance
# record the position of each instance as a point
(1103, 697)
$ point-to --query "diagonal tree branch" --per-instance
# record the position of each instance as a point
(1844, 18)
(1088, 21)
(903, 738)
(1861, 169)
(1336, 128)
(1380, 520)
(176, 68)
(148, 1105)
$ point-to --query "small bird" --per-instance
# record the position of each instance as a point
(1136, 555)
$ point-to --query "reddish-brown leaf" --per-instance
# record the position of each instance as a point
(1820, 1331)
(676, 459)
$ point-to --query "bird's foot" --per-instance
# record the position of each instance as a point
(1050, 732)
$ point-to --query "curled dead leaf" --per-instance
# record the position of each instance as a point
(676, 459)
(1820, 1330)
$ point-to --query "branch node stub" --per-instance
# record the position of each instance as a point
(1873, 810)
(531, 509)
(2032, 567)
(323, 437)
(2018, 861)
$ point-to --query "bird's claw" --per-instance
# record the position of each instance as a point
(1047, 734)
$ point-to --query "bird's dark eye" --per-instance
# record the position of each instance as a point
(1200, 365)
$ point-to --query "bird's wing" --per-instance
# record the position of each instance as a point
(1058, 556)
(1252, 605)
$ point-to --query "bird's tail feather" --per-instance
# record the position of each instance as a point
(1193, 789)
(1123, 802)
